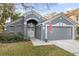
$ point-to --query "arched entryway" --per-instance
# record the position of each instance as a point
(31, 25)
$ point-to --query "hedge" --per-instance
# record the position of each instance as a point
(11, 37)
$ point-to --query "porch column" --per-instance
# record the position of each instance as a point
(74, 33)
(25, 24)
(46, 31)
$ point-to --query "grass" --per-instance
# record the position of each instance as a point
(27, 49)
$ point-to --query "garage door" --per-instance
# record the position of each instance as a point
(59, 33)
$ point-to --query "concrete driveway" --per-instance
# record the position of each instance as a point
(68, 45)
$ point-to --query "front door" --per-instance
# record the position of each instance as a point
(31, 32)
(31, 24)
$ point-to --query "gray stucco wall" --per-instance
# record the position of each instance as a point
(38, 32)
(16, 27)
(57, 20)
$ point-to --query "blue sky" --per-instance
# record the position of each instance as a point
(60, 7)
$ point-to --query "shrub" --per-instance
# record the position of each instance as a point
(77, 30)
(18, 37)
(11, 37)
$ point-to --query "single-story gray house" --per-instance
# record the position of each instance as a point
(33, 25)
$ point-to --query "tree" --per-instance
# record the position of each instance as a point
(32, 5)
(6, 11)
(16, 16)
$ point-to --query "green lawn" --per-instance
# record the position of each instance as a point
(27, 49)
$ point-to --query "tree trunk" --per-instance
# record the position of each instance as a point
(2, 27)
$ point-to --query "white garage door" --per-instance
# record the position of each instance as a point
(59, 33)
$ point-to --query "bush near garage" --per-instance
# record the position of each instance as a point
(77, 30)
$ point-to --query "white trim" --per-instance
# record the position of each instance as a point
(61, 25)
(32, 18)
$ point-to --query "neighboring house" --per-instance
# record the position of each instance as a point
(34, 25)
(74, 15)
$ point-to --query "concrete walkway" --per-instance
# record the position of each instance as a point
(68, 45)
(37, 42)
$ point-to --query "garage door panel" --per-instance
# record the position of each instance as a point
(60, 33)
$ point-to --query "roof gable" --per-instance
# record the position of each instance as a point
(31, 13)
(60, 15)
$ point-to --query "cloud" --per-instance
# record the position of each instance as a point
(68, 9)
